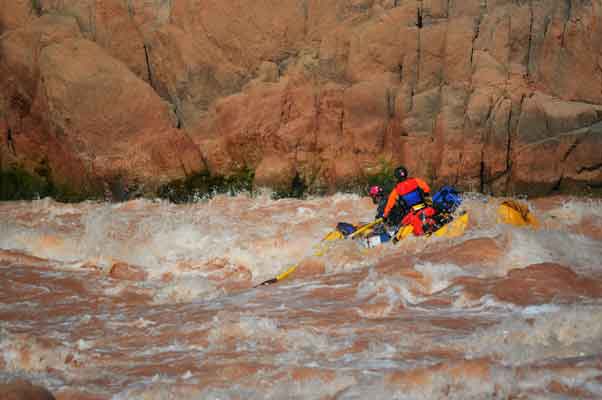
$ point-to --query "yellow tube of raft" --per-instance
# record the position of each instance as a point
(455, 228)
(512, 212)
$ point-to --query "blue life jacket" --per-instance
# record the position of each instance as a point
(413, 198)
(410, 192)
(447, 199)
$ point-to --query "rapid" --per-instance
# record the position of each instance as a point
(151, 300)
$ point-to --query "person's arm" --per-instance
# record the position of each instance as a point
(423, 185)
(380, 210)
(390, 203)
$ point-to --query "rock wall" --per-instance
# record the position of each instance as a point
(502, 96)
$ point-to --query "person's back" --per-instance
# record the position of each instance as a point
(409, 191)
(412, 193)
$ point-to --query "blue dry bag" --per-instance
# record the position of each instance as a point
(345, 228)
(447, 199)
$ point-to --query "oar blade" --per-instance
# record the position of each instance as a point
(268, 282)
(332, 236)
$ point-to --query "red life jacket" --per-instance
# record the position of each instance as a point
(411, 192)
(420, 220)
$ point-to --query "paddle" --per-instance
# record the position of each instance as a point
(365, 228)
(402, 233)
(321, 251)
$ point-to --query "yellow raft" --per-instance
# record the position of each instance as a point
(510, 212)
(515, 213)
(452, 229)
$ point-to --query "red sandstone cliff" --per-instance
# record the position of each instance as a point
(496, 95)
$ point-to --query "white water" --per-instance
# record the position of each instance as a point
(426, 318)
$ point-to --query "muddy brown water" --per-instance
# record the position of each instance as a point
(149, 300)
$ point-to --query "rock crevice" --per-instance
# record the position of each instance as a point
(480, 94)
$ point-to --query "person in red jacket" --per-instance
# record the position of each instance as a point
(413, 193)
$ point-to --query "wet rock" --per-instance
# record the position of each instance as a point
(127, 272)
(24, 390)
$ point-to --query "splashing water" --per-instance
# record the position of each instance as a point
(150, 300)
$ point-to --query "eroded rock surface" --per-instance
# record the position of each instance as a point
(498, 96)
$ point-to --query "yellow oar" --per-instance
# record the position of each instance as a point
(334, 235)
(321, 251)
(365, 228)
(326, 243)
(402, 233)
(515, 213)
(279, 277)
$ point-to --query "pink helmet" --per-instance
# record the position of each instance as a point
(375, 191)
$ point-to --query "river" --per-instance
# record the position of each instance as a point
(152, 300)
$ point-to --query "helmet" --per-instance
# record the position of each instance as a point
(375, 191)
(401, 173)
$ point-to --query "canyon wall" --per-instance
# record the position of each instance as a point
(501, 96)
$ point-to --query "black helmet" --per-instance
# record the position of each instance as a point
(401, 174)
